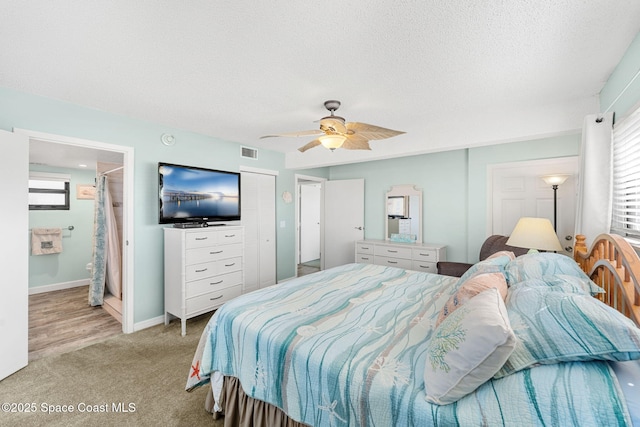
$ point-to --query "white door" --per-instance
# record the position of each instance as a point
(343, 221)
(14, 261)
(519, 191)
(258, 218)
(309, 222)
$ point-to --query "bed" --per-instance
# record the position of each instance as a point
(528, 340)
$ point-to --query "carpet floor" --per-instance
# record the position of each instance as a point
(133, 379)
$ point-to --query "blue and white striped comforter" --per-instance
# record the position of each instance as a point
(346, 347)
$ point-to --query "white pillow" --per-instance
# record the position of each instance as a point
(468, 348)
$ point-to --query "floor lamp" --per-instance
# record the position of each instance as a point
(554, 181)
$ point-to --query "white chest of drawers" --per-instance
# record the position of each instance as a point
(203, 269)
(410, 256)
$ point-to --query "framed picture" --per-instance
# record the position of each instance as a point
(85, 191)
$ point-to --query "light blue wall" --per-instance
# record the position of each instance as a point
(454, 188)
(21, 110)
(77, 246)
(621, 76)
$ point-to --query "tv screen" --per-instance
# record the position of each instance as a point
(193, 194)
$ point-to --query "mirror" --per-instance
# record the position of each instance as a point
(403, 213)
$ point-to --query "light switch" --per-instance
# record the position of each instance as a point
(283, 224)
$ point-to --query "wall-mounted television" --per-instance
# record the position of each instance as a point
(191, 194)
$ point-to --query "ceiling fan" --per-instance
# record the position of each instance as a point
(335, 132)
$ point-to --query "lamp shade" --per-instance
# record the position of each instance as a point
(332, 141)
(534, 233)
(555, 179)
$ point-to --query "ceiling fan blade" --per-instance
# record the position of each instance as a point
(372, 132)
(295, 134)
(356, 142)
(311, 144)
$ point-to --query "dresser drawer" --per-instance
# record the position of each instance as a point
(393, 262)
(393, 251)
(229, 265)
(364, 258)
(200, 271)
(211, 284)
(211, 300)
(428, 267)
(212, 253)
(430, 255)
(364, 248)
(226, 236)
(199, 239)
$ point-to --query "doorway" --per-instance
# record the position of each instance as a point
(58, 146)
(308, 224)
(516, 190)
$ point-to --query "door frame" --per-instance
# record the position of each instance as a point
(299, 178)
(127, 214)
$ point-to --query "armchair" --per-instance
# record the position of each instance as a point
(493, 244)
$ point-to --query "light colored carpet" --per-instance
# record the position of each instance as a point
(144, 373)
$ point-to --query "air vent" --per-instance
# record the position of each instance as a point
(249, 153)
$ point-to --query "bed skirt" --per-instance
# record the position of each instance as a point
(243, 411)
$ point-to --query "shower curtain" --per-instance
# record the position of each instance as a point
(107, 263)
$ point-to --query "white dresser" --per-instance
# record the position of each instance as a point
(411, 256)
(203, 268)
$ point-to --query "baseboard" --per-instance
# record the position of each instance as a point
(148, 323)
(58, 286)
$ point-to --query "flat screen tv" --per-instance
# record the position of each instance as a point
(191, 194)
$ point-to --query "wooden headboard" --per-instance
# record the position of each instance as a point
(615, 266)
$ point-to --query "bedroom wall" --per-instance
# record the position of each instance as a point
(26, 111)
(628, 66)
(70, 265)
(454, 188)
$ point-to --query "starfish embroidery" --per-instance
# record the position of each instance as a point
(330, 408)
(196, 370)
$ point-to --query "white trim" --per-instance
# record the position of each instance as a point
(49, 176)
(58, 286)
(127, 215)
(138, 326)
(258, 170)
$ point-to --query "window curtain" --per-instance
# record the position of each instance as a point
(593, 210)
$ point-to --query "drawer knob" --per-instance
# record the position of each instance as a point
(215, 252)
(215, 298)
(424, 254)
(229, 235)
(216, 283)
(230, 265)
(200, 271)
(392, 262)
(201, 238)
(390, 251)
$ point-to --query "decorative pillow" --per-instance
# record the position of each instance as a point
(479, 282)
(487, 266)
(538, 265)
(554, 326)
(498, 254)
(468, 348)
(563, 283)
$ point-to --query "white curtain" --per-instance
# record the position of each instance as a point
(593, 211)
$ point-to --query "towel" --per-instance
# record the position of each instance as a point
(46, 241)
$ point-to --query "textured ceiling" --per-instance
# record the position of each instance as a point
(450, 74)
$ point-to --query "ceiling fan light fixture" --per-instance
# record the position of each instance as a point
(332, 141)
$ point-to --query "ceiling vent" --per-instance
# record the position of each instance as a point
(249, 153)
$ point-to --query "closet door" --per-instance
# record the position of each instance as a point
(14, 259)
(259, 219)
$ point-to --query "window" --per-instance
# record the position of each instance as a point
(625, 218)
(48, 191)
